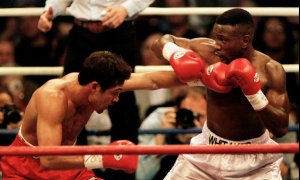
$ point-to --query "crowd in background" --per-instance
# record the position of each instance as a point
(22, 44)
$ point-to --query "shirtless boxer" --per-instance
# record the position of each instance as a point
(246, 97)
(58, 111)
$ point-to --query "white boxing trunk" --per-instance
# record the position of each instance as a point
(226, 166)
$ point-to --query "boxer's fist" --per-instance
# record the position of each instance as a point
(214, 78)
(186, 64)
(124, 162)
(242, 73)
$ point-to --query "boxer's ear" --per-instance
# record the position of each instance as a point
(95, 86)
(246, 41)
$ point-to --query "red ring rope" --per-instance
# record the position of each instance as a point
(163, 149)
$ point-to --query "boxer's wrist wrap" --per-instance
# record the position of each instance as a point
(93, 161)
(258, 101)
(169, 48)
(196, 82)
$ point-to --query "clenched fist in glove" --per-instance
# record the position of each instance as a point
(192, 69)
(124, 162)
(186, 63)
(214, 78)
(242, 73)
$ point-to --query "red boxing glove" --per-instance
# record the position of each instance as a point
(186, 63)
(127, 163)
(214, 78)
(124, 162)
(192, 69)
(242, 73)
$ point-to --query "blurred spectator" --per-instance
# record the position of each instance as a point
(5, 98)
(7, 52)
(189, 112)
(205, 23)
(274, 37)
(5, 139)
(9, 29)
(20, 87)
(10, 116)
(34, 47)
(147, 25)
(179, 25)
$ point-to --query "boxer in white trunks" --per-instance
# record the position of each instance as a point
(246, 96)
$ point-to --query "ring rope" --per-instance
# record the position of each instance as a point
(289, 68)
(256, 11)
(57, 70)
(191, 130)
(168, 131)
(147, 149)
(13, 132)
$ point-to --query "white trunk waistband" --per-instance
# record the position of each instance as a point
(212, 138)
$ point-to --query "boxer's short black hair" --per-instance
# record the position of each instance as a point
(235, 16)
(105, 67)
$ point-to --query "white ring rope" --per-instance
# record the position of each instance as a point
(255, 11)
(289, 68)
(57, 70)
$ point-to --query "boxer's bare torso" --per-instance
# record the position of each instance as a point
(230, 115)
(75, 117)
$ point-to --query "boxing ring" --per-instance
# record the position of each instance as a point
(163, 149)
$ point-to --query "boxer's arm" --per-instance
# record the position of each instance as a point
(203, 46)
(51, 111)
(275, 115)
(158, 45)
(151, 81)
(270, 102)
